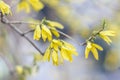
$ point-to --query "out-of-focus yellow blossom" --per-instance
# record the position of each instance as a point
(19, 69)
(46, 33)
(34, 69)
(23, 5)
(93, 48)
(36, 4)
(37, 33)
(105, 35)
(24, 71)
(26, 4)
(4, 8)
(38, 57)
(66, 51)
(112, 60)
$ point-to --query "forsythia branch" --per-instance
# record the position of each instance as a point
(6, 21)
(62, 33)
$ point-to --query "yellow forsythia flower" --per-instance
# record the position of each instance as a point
(105, 35)
(47, 29)
(23, 5)
(19, 69)
(36, 4)
(66, 51)
(37, 33)
(4, 8)
(54, 57)
(46, 33)
(55, 32)
(55, 44)
(54, 24)
(69, 45)
(47, 55)
(93, 48)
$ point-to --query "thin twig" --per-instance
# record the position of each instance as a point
(22, 22)
(95, 34)
(28, 31)
(69, 37)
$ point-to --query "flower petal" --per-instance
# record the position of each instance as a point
(55, 24)
(65, 55)
(69, 46)
(95, 53)
(46, 56)
(55, 32)
(87, 51)
(46, 33)
(54, 57)
(108, 33)
(37, 33)
(106, 39)
(97, 46)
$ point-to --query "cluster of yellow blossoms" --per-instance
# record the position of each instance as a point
(4, 8)
(25, 5)
(24, 71)
(59, 50)
(93, 47)
(104, 35)
(46, 30)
